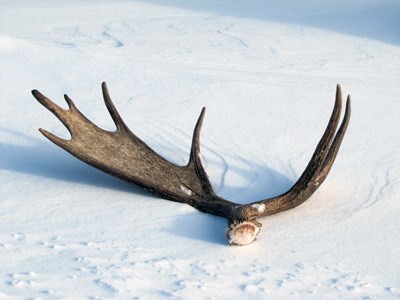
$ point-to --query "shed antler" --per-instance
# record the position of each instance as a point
(122, 154)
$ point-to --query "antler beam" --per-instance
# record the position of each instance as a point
(122, 154)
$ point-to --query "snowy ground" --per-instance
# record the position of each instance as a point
(267, 75)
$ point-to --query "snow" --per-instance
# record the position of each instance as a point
(260, 207)
(267, 74)
(185, 190)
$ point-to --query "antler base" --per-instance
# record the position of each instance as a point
(243, 232)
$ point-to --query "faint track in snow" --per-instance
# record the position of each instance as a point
(381, 186)
(239, 40)
(107, 287)
(117, 43)
(231, 167)
(251, 177)
(175, 28)
(72, 36)
(225, 167)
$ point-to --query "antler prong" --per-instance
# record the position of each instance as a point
(334, 149)
(119, 123)
(195, 159)
(55, 139)
(195, 149)
(59, 112)
(323, 146)
(71, 104)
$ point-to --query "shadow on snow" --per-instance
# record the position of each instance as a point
(43, 159)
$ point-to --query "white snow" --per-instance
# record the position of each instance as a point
(260, 207)
(266, 71)
(186, 190)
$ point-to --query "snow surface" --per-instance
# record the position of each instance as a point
(267, 74)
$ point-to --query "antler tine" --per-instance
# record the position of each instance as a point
(119, 123)
(69, 117)
(59, 112)
(334, 149)
(70, 103)
(55, 139)
(195, 160)
(195, 149)
(322, 148)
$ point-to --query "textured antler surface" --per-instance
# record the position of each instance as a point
(122, 154)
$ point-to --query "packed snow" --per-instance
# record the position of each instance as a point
(267, 72)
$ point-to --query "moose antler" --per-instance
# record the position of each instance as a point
(122, 154)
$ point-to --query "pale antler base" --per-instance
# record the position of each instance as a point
(243, 232)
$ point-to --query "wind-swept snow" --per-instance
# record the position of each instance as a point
(267, 75)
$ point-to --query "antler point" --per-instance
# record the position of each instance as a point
(36, 94)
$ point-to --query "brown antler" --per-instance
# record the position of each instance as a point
(122, 154)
